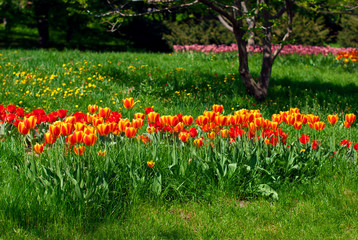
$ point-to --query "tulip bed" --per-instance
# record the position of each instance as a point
(77, 140)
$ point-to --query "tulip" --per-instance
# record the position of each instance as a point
(103, 129)
(79, 150)
(319, 126)
(66, 129)
(347, 124)
(96, 121)
(130, 132)
(173, 121)
(128, 103)
(137, 123)
(291, 119)
(346, 143)
(153, 117)
(304, 139)
(22, 129)
(294, 110)
(332, 119)
(144, 139)
(202, 120)
(273, 125)
(218, 108)
(188, 120)
(350, 118)
(39, 148)
(221, 120)
(49, 138)
(224, 133)
(212, 135)
(70, 119)
(355, 146)
(78, 136)
(297, 125)
(89, 139)
(123, 124)
(88, 118)
(30, 122)
(273, 141)
(89, 130)
(315, 144)
(55, 130)
(193, 132)
(102, 153)
(151, 130)
(112, 127)
(234, 120)
(150, 163)
(71, 140)
(211, 115)
(184, 136)
(92, 108)
(277, 118)
(79, 126)
(198, 142)
(139, 115)
(104, 112)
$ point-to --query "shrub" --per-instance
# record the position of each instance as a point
(348, 37)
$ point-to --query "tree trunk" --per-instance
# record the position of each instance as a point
(257, 89)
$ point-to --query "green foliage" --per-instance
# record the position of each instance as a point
(198, 32)
(348, 37)
(306, 31)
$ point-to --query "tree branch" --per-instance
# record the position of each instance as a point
(217, 8)
(289, 28)
(225, 23)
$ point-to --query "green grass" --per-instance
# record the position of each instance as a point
(317, 201)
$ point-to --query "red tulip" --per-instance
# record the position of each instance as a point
(350, 118)
(139, 115)
(304, 139)
(103, 129)
(198, 142)
(218, 108)
(104, 112)
(187, 120)
(30, 122)
(184, 136)
(55, 130)
(66, 129)
(89, 139)
(92, 108)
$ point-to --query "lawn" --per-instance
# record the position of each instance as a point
(186, 180)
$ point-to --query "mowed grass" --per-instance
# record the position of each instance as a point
(318, 208)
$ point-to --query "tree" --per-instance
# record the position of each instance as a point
(264, 15)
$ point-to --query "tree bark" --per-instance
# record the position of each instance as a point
(41, 9)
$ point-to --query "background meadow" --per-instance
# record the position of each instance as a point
(279, 193)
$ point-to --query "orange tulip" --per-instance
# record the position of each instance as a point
(350, 118)
(198, 142)
(103, 129)
(179, 127)
(294, 110)
(79, 150)
(211, 115)
(221, 120)
(347, 124)
(92, 108)
(144, 139)
(55, 130)
(102, 153)
(291, 119)
(139, 115)
(89, 139)
(123, 124)
(88, 118)
(71, 140)
(277, 118)
(39, 148)
(130, 132)
(70, 119)
(188, 120)
(150, 163)
(22, 128)
(128, 103)
(319, 126)
(112, 126)
(332, 119)
(184, 136)
(212, 135)
(218, 108)
(224, 133)
(89, 130)
(79, 126)
(258, 122)
(137, 123)
(297, 125)
(153, 117)
(66, 129)
(151, 130)
(30, 122)
(233, 120)
(173, 121)
(202, 120)
(49, 138)
(77, 136)
(104, 112)
(96, 121)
